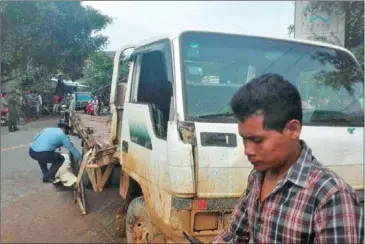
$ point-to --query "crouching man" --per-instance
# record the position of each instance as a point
(43, 149)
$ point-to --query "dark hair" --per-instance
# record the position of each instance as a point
(64, 126)
(270, 94)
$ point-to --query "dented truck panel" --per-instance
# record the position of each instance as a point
(180, 164)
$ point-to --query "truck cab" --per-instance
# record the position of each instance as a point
(182, 160)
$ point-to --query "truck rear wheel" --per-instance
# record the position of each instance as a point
(139, 228)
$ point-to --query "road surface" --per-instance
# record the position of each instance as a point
(32, 211)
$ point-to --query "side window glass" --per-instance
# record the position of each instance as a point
(155, 89)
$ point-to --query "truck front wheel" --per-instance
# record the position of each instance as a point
(139, 228)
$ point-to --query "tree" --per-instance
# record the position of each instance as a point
(40, 39)
(354, 20)
(99, 70)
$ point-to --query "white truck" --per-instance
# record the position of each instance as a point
(175, 141)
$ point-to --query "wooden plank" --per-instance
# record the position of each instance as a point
(91, 175)
(92, 166)
(124, 184)
(105, 176)
(99, 176)
(85, 160)
(83, 211)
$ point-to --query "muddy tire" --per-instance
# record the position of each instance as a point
(139, 228)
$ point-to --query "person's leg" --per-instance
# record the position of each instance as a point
(44, 168)
(34, 110)
(56, 159)
(57, 105)
(41, 157)
(12, 121)
(38, 111)
(10, 124)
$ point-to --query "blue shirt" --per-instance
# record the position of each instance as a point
(49, 139)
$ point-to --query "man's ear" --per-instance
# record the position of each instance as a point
(292, 129)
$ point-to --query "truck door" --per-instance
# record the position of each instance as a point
(144, 130)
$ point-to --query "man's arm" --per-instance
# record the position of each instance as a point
(339, 219)
(68, 144)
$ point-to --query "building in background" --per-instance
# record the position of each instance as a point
(320, 24)
(7, 86)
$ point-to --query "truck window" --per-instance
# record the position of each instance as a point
(155, 89)
(329, 80)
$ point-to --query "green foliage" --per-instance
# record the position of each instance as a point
(99, 70)
(359, 54)
(40, 39)
(290, 29)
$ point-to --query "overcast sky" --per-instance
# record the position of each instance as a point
(134, 21)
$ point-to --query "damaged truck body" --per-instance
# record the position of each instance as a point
(174, 141)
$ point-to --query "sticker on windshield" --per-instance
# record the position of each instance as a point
(194, 44)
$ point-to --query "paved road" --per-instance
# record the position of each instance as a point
(32, 211)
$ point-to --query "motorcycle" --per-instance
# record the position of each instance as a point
(4, 116)
(64, 114)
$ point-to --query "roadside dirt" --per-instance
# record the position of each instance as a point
(50, 216)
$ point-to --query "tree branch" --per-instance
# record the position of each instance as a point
(9, 79)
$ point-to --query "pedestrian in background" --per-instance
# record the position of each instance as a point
(39, 104)
(34, 105)
(95, 105)
(99, 105)
(13, 115)
(19, 99)
(56, 101)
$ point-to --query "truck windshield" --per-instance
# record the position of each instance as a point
(214, 66)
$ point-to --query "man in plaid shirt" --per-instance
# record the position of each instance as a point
(291, 197)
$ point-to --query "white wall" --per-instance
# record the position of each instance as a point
(7, 86)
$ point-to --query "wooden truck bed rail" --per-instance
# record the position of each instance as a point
(95, 132)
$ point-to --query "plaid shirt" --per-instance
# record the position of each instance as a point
(310, 205)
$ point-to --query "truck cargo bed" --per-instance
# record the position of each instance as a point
(94, 130)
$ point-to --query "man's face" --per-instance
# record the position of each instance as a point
(268, 149)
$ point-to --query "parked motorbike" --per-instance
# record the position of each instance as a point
(64, 114)
(4, 116)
